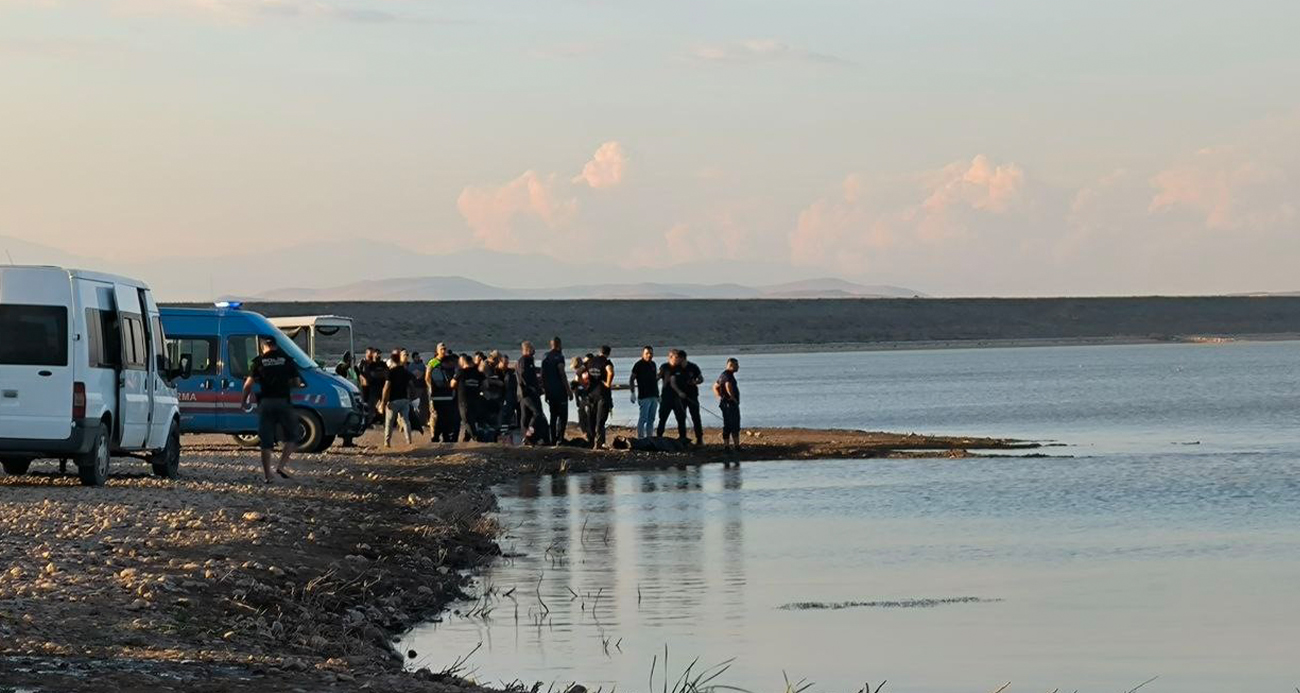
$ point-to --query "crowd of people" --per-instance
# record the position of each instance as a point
(486, 397)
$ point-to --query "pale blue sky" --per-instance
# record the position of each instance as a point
(1063, 136)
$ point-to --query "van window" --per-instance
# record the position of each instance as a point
(135, 351)
(243, 349)
(159, 345)
(202, 352)
(33, 335)
(103, 342)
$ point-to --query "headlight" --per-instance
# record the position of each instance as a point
(345, 397)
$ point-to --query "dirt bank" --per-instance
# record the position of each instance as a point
(217, 582)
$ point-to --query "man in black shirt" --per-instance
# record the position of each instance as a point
(395, 400)
(645, 392)
(277, 374)
(531, 419)
(556, 387)
(600, 396)
(728, 392)
(468, 385)
(373, 374)
(691, 379)
(670, 374)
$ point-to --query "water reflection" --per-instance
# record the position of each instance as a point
(608, 569)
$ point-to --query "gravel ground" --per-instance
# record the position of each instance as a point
(217, 582)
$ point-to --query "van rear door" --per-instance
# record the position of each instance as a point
(36, 372)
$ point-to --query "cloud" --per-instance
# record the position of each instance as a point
(867, 218)
(605, 170)
(534, 208)
(1228, 189)
(493, 214)
(242, 11)
(761, 51)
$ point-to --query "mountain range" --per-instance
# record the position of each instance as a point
(386, 271)
(463, 289)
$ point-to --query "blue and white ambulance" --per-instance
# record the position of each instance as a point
(222, 342)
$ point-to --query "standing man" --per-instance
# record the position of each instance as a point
(645, 392)
(277, 374)
(671, 377)
(600, 396)
(437, 379)
(692, 377)
(374, 372)
(420, 414)
(728, 392)
(468, 385)
(347, 371)
(395, 400)
(557, 390)
(531, 419)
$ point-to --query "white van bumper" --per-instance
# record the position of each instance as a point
(78, 442)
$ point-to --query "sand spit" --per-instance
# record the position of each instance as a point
(217, 582)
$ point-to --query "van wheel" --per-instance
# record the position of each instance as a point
(311, 432)
(246, 440)
(16, 467)
(92, 467)
(167, 462)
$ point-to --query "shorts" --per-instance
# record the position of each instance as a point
(730, 417)
(276, 421)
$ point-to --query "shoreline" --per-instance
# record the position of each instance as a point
(216, 582)
(959, 344)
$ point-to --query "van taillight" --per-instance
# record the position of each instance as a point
(78, 401)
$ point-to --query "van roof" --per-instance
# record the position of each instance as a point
(82, 274)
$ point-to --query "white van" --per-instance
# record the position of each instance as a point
(83, 373)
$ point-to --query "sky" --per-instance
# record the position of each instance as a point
(958, 147)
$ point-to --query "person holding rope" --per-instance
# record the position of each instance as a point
(727, 390)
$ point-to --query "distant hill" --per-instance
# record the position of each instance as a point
(463, 289)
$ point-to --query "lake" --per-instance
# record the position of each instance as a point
(1162, 541)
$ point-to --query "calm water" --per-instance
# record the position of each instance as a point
(1168, 545)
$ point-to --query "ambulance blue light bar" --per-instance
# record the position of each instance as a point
(232, 305)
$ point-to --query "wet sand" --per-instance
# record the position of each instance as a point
(217, 582)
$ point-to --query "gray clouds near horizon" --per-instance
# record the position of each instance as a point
(1007, 147)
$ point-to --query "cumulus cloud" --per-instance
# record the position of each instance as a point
(761, 51)
(867, 217)
(535, 208)
(605, 170)
(1228, 189)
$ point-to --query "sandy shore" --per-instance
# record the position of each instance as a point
(216, 582)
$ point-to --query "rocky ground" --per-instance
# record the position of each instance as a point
(217, 582)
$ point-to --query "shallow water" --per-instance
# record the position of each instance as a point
(1142, 555)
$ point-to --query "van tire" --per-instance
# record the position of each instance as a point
(16, 467)
(92, 467)
(246, 440)
(312, 433)
(167, 462)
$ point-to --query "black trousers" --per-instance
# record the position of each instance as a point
(558, 405)
(531, 416)
(446, 422)
(693, 408)
(598, 409)
(468, 421)
(674, 406)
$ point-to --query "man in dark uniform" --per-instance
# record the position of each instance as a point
(670, 373)
(347, 371)
(600, 396)
(557, 390)
(692, 378)
(277, 374)
(531, 419)
(728, 392)
(468, 385)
